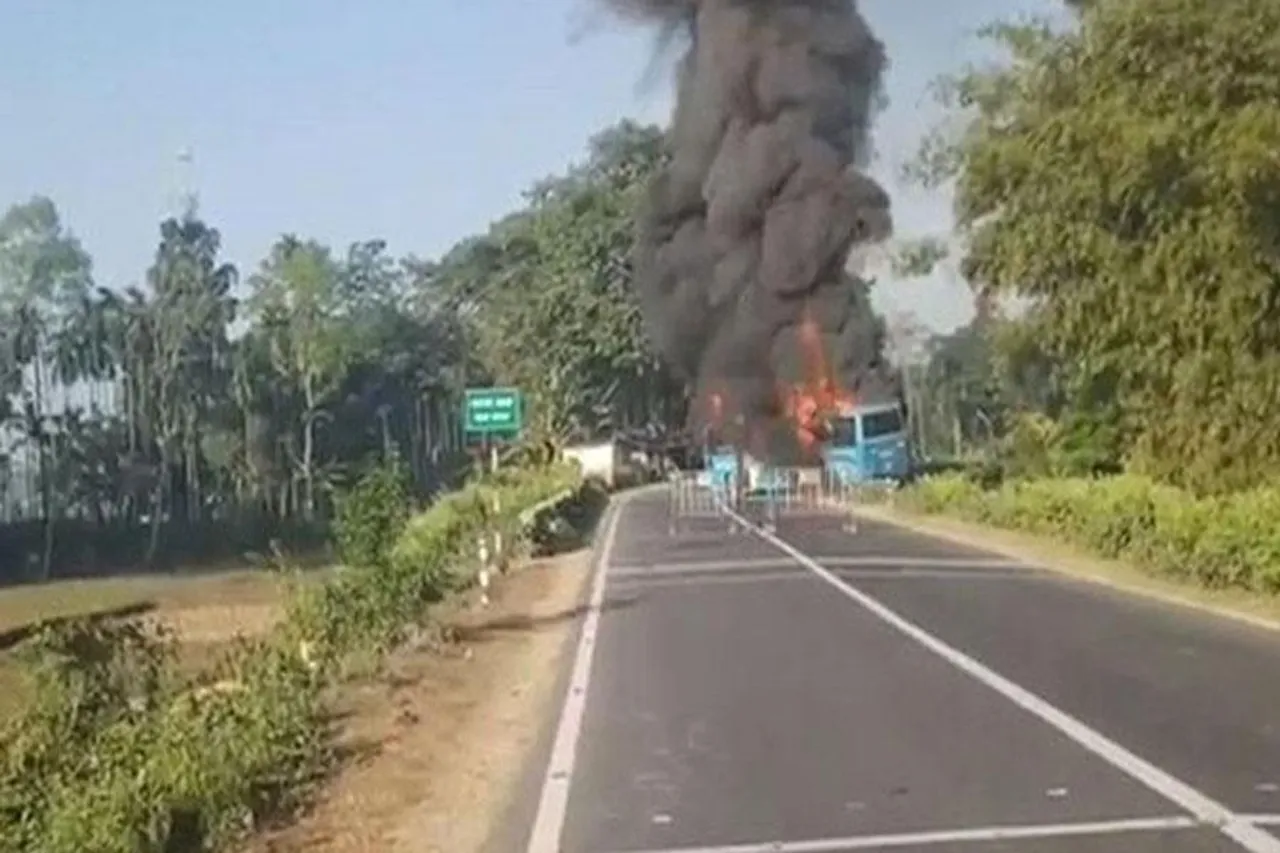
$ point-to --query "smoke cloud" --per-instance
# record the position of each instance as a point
(748, 229)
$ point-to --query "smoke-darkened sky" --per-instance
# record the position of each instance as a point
(746, 234)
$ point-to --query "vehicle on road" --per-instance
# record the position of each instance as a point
(868, 445)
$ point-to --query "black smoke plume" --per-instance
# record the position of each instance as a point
(748, 229)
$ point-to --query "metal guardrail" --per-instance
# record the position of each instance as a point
(792, 492)
(528, 515)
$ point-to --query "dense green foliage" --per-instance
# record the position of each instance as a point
(1116, 187)
(548, 300)
(1115, 180)
(120, 752)
(371, 515)
(207, 413)
(987, 391)
(1217, 541)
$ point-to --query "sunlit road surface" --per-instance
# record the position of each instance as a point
(824, 691)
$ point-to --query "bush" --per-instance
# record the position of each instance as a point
(371, 515)
(569, 525)
(117, 752)
(1231, 541)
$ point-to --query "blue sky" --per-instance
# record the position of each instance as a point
(420, 123)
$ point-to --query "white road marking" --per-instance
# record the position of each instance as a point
(923, 562)
(885, 563)
(933, 574)
(655, 569)
(1198, 804)
(954, 836)
(1261, 819)
(548, 824)
(632, 582)
(637, 583)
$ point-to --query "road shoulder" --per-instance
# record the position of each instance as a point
(438, 739)
(1044, 554)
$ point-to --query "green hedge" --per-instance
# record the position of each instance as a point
(1230, 541)
(118, 753)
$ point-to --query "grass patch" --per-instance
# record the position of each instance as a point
(23, 606)
(206, 611)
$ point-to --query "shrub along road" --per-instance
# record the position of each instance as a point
(116, 749)
(828, 691)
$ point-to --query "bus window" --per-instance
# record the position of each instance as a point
(880, 424)
(844, 432)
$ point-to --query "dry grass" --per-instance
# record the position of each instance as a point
(206, 611)
(26, 605)
(1253, 608)
(438, 738)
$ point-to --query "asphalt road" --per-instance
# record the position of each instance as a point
(828, 690)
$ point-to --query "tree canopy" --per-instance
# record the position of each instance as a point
(1117, 177)
(548, 299)
(215, 407)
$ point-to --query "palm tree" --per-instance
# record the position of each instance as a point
(188, 358)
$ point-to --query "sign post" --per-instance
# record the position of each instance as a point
(491, 413)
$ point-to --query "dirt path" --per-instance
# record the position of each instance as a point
(440, 738)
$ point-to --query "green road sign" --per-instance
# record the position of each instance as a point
(493, 411)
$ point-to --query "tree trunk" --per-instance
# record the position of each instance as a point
(157, 511)
(130, 416)
(42, 460)
(957, 431)
(195, 500)
(46, 561)
(308, 451)
(416, 431)
(383, 416)
(427, 409)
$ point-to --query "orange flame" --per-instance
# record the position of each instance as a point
(807, 405)
(810, 403)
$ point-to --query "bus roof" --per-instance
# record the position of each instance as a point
(869, 408)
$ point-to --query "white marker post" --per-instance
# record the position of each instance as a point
(483, 577)
(497, 509)
(488, 557)
(489, 412)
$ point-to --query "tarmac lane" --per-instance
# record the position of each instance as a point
(825, 690)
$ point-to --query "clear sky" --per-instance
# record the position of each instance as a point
(420, 122)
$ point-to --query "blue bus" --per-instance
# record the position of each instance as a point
(868, 444)
(721, 472)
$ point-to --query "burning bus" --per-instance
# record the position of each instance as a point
(853, 441)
